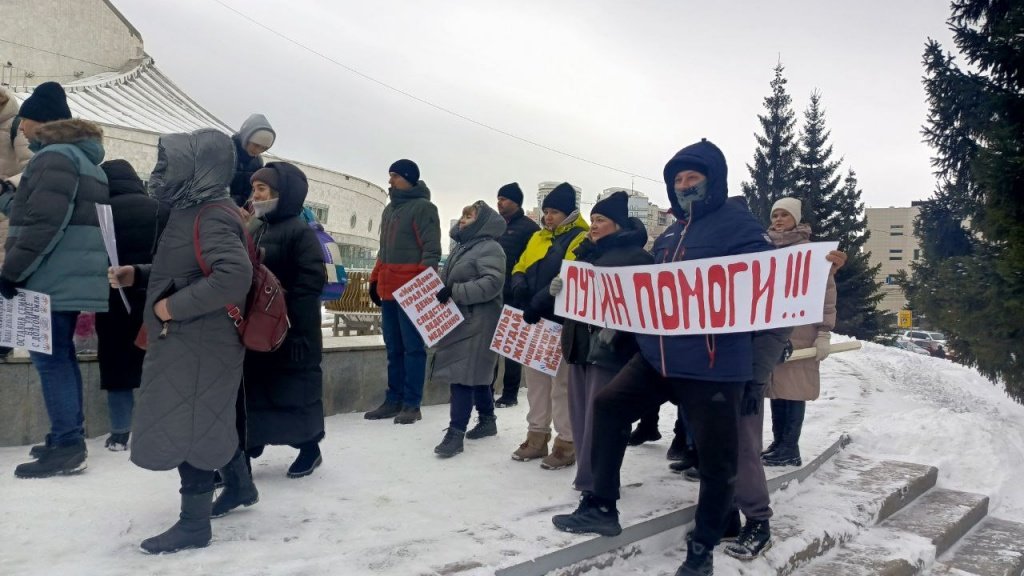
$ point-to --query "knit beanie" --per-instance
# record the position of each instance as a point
(791, 205)
(262, 137)
(268, 176)
(47, 103)
(614, 207)
(406, 169)
(511, 192)
(562, 198)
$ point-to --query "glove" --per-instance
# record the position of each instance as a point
(556, 286)
(374, 297)
(7, 289)
(821, 344)
(786, 352)
(6, 187)
(753, 397)
(520, 295)
(444, 295)
(531, 316)
(606, 335)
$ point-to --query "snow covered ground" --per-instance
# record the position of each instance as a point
(382, 503)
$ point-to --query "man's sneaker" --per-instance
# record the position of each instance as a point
(506, 402)
(57, 460)
(408, 415)
(677, 449)
(485, 426)
(592, 516)
(384, 411)
(117, 442)
(699, 561)
(754, 540)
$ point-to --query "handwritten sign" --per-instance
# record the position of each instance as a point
(25, 322)
(418, 298)
(773, 289)
(535, 345)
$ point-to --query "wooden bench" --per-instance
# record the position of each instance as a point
(354, 313)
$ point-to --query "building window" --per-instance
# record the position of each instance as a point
(319, 210)
(369, 226)
(917, 253)
(895, 251)
(895, 257)
(352, 222)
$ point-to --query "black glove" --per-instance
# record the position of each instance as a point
(374, 297)
(531, 316)
(6, 187)
(521, 295)
(7, 289)
(444, 295)
(786, 352)
(753, 397)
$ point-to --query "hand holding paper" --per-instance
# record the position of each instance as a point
(121, 277)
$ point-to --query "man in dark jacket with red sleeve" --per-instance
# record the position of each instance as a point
(410, 242)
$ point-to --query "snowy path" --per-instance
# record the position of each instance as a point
(384, 504)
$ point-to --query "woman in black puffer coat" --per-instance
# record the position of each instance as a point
(596, 354)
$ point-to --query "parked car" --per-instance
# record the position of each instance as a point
(933, 342)
(910, 346)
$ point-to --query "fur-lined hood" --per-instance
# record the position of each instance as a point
(88, 136)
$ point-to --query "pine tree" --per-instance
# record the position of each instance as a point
(773, 174)
(970, 279)
(817, 181)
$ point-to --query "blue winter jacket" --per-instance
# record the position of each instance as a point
(716, 228)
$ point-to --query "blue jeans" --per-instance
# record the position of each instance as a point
(62, 383)
(407, 356)
(120, 404)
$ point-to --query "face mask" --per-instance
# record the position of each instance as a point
(263, 208)
(694, 193)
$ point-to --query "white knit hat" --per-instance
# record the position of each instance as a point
(791, 205)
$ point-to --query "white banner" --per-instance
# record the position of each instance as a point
(25, 322)
(773, 289)
(418, 298)
(537, 346)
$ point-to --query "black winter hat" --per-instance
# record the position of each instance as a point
(512, 192)
(562, 198)
(47, 103)
(406, 169)
(122, 178)
(615, 207)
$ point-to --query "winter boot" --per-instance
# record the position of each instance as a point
(38, 450)
(54, 461)
(536, 446)
(117, 442)
(778, 425)
(646, 431)
(192, 530)
(688, 461)
(485, 426)
(451, 444)
(677, 449)
(754, 539)
(239, 489)
(699, 561)
(408, 415)
(692, 474)
(563, 455)
(507, 400)
(592, 516)
(309, 459)
(384, 411)
(788, 451)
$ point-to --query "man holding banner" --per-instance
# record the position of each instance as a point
(704, 373)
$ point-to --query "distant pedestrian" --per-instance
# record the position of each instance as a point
(255, 137)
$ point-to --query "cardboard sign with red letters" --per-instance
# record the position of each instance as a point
(537, 346)
(418, 298)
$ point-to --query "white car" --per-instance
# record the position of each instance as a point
(910, 346)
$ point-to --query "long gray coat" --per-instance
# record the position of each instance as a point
(475, 272)
(185, 411)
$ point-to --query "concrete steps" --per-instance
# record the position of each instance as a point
(994, 548)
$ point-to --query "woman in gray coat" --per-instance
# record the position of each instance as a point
(474, 278)
(185, 411)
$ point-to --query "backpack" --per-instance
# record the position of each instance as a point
(264, 323)
(337, 277)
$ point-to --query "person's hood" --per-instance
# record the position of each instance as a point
(633, 234)
(709, 156)
(87, 136)
(420, 190)
(9, 109)
(192, 168)
(253, 123)
(573, 220)
(799, 235)
(488, 224)
(292, 188)
(122, 178)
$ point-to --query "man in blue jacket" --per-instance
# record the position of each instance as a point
(704, 374)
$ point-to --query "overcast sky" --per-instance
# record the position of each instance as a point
(621, 83)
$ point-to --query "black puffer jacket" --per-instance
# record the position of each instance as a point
(580, 342)
(518, 230)
(284, 388)
(245, 167)
(138, 222)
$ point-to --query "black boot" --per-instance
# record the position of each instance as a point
(308, 459)
(788, 452)
(646, 431)
(384, 411)
(54, 461)
(592, 516)
(754, 540)
(117, 442)
(677, 450)
(507, 400)
(688, 461)
(192, 530)
(451, 444)
(408, 415)
(486, 425)
(778, 425)
(699, 561)
(239, 489)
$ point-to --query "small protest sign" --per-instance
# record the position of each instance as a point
(537, 346)
(25, 322)
(418, 298)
